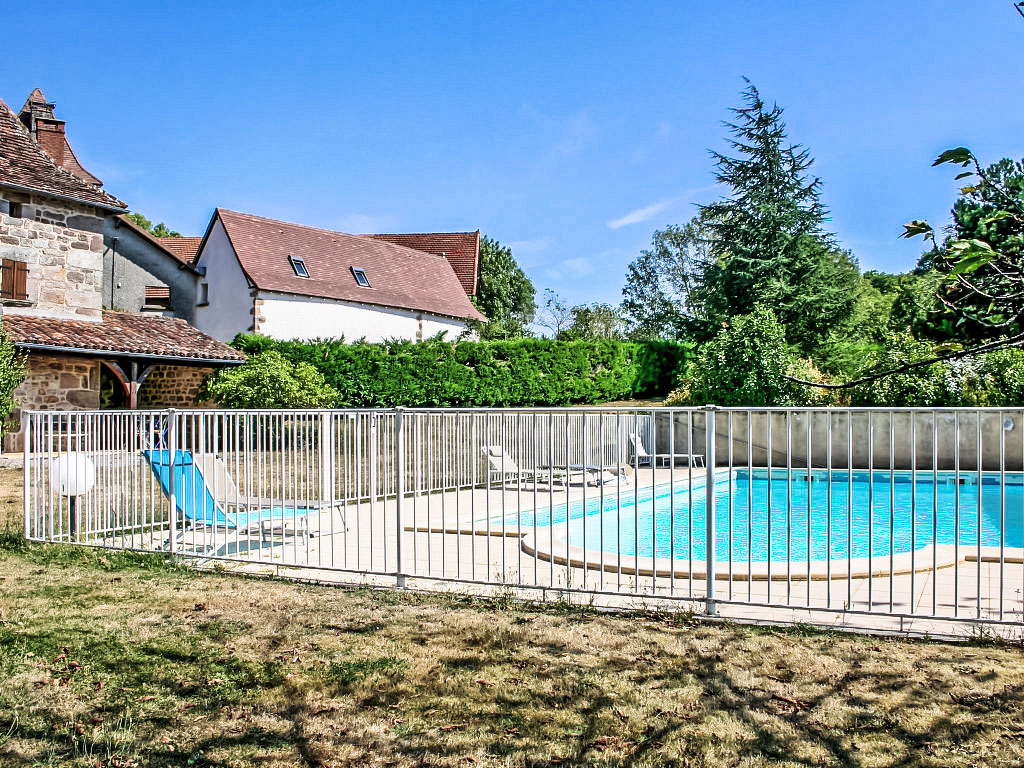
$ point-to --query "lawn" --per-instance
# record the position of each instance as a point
(111, 660)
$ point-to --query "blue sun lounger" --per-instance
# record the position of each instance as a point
(195, 502)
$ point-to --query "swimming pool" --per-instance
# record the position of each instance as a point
(839, 517)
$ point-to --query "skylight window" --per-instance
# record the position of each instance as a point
(299, 265)
(360, 275)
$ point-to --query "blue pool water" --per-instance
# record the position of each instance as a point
(889, 513)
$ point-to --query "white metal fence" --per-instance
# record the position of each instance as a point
(894, 515)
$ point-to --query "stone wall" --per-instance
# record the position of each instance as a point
(62, 244)
(173, 386)
(54, 382)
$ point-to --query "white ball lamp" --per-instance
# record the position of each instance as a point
(72, 475)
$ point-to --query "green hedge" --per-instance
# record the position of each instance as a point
(520, 372)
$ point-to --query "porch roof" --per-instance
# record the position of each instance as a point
(121, 334)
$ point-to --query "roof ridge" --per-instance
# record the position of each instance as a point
(412, 234)
(326, 231)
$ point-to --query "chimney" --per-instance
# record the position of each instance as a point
(37, 116)
(50, 135)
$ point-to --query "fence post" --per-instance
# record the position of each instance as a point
(399, 497)
(709, 505)
(172, 484)
(327, 458)
(26, 432)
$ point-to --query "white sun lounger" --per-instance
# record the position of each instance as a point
(503, 469)
(643, 458)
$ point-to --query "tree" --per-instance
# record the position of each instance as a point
(657, 300)
(594, 321)
(157, 230)
(13, 369)
(982, 259)
(269, 380)
(767, 239)
(504, 295)
(982, 285)
(554, 315)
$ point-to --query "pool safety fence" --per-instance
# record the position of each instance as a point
(895, 513)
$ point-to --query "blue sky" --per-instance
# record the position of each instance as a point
(569, 130)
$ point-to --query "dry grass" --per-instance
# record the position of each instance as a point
(119, 660)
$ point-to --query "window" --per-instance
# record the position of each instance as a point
(158, 297)
(204, 293)
(299, 265)
(360, 275)
(13, 280)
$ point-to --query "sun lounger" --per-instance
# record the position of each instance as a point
(201, 512)
(641, 457)
(503, 469)
(224, 490)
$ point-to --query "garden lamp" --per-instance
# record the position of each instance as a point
(72, 475)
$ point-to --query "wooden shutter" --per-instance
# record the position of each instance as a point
(20, 280)
(7, 279)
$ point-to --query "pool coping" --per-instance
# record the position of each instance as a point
(926, 559)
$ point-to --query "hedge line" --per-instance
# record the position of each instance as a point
(523, 372)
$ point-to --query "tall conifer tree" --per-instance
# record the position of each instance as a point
(768, 241)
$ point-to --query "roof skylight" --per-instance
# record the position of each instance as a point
(360, 275)
(299, 265)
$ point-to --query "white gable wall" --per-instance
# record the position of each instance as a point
(284, 316)
(230, 307)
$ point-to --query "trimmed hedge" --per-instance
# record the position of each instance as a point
(520, 372)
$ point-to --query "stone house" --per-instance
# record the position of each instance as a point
(57, 236)
(290, 281)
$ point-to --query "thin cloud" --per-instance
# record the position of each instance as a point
(642, 214)
(531, 247)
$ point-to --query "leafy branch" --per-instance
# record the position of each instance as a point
(985, 284)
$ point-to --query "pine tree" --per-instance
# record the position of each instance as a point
(768, 242)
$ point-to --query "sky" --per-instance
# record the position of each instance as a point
(570, 131)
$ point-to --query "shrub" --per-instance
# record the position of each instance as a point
(269, 380)
(745, 365)
(507, 373)
(919, 387)
(13, 369)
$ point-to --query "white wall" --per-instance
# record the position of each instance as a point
(282, 316)
(230, 309)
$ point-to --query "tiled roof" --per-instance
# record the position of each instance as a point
(24, 164)
(184, 248)
(120, 333)
(399, 277)
(462, 249)
(54, 143)
(70, 163)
